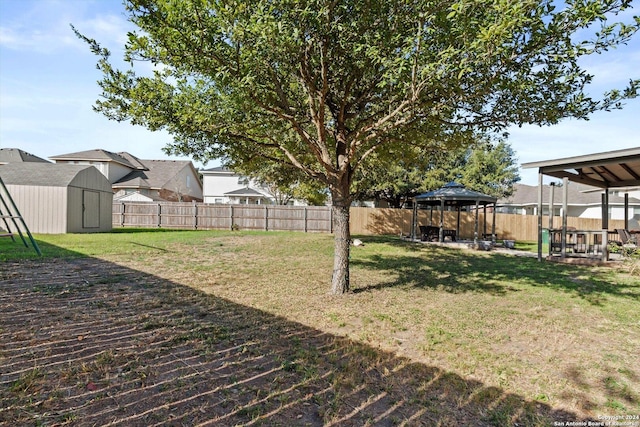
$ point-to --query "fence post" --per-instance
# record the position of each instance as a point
(305, 219)
(122, 214)
(266, 217)
(231, 216)
(159, 215)
(195, 215)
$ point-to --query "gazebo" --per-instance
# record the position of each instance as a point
(455, 195)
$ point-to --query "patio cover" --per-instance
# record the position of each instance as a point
(453, 194)
(611, 169)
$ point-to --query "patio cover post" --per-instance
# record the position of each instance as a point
(539, 215)
(552, 187)
(605, 224)
(565, 205)
(626, 211)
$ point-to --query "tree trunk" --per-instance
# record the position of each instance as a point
(342, 240)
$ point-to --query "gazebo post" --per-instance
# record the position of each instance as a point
(475, 228)
(493, 225)
(458, 223)
(484, 221)
(441, 233)
(414, 219)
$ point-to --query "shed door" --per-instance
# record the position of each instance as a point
(90, 209)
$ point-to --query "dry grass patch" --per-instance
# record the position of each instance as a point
(428, 334)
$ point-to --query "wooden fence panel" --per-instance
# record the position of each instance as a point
(214, 217)
(318, 219)
(364, 221)
(221, 217)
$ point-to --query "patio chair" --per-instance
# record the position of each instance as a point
(429, 233)
(625, 237)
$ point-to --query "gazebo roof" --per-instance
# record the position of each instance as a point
(455, 194)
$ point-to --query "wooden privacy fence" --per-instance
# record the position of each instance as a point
(508, 226)
(364, 221)
(201, 216)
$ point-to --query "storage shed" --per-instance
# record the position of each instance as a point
(60, 198)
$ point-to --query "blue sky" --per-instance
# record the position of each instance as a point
(48, 86)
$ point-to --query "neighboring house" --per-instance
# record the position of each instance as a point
(223, 186)
(55, 199)
(133, 179)
(583, 201)
(16, 155)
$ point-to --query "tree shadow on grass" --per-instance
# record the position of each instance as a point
(458, 270)
(87, 342)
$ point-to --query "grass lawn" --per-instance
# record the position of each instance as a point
(506, 339)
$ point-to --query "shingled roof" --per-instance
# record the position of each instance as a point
(16, 155)
(41, 174)
(99, 155)
(155, 176)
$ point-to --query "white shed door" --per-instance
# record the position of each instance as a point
(90, 209)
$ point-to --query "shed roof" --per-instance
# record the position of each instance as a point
(454, 193)
(620, 168)
(42, 174)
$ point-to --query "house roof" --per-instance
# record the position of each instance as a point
(42, 174)
(577, 194)
(133, 160)
(620, 168)
(456, 194)
(245, 192)
(136, 197)
(96, 155)
(217, 170)
(155, 176)
(11, 155)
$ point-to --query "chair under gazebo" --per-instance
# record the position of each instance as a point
(457, 196)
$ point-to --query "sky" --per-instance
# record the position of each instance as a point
(48, 85)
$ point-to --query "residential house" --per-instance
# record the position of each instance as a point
(133, 179)
(223, 186)
(583, 201)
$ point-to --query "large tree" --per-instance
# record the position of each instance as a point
(323, 84)
(486, 167)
